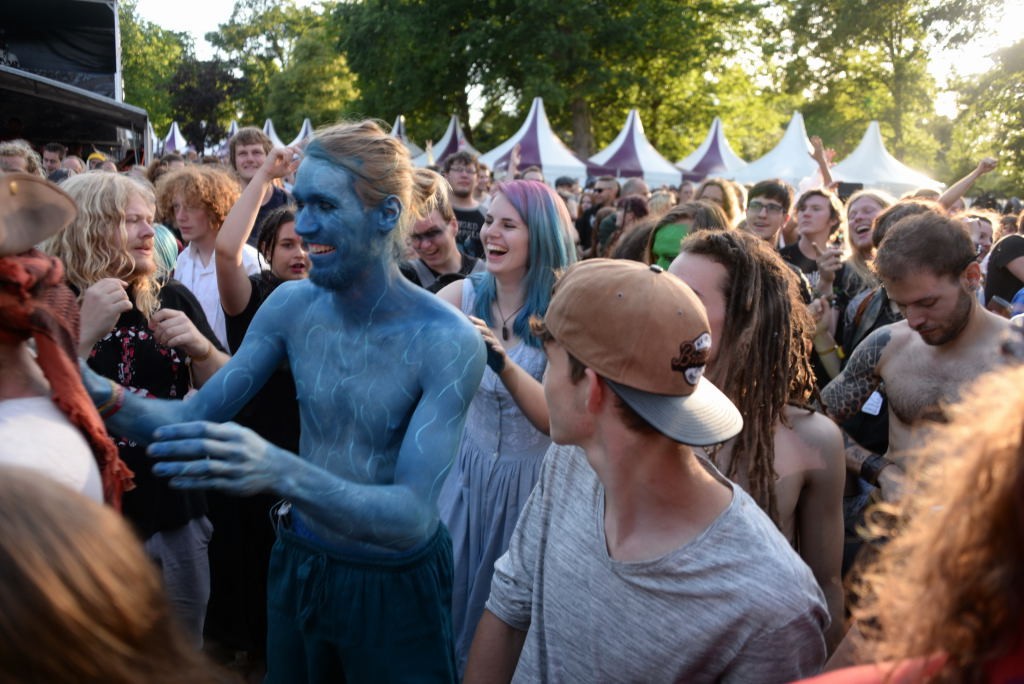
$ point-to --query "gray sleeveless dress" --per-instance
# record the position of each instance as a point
(497, 465)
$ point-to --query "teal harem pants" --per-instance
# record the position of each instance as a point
(337, 619)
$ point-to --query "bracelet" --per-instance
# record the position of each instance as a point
(202, 357)
(872, 467)
(826, 352)
(114, 403)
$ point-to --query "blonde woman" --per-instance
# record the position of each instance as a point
(153, 340)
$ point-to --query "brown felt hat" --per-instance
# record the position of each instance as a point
(31, 210)
(646, 333)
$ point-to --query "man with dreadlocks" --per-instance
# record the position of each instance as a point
(787, 456)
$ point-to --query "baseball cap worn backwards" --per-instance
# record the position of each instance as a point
(646, 333)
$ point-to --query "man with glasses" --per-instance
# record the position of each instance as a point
(438, 261)
(768, 205)
(461, 171)
(605, 192)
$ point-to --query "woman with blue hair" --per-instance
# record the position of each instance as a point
(526, 240)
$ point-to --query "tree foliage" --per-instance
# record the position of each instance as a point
(856, 61)
(315, 83)
(149, 57)
(201, 95)
(591, 62)
(259, 42)
(842, 63)
(991, 122)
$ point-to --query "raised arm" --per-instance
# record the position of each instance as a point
(822, 157)
(397, 515)
(232, 278)
(960, 188)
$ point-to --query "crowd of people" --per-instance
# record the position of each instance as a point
(313, 414)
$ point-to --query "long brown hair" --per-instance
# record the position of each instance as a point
(951, 580)
(766, 360)
(80, 600)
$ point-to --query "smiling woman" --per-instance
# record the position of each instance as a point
(526, 241)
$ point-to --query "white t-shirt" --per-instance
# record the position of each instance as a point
(35, 434)
(202, 282)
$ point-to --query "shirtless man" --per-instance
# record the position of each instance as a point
(788, 457)
(384, 372)
(928, 267)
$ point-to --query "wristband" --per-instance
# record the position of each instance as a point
(114, 403)
(202, 357)
(872, 467)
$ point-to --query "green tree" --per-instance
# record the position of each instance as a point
(428, 78)
(991, 122)
(258, 41)
(149, 58)
(590, 61)
(856, 61)
(316, 83)
(201, 96)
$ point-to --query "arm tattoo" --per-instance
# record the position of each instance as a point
(845, 395)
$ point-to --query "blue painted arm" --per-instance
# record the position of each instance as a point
(396, 515)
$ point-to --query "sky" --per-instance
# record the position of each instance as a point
(1006, 27)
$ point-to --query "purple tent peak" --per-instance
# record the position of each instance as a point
(175, 141)
(398, 132)
(631, 154)
(538, 146)
(453, 140)
(714, 156)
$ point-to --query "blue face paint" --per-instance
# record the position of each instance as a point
(345, 239)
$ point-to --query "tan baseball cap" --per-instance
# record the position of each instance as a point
(646, 333)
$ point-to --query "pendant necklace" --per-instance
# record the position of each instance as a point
(504, 318)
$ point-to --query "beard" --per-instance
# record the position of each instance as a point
(958, 320)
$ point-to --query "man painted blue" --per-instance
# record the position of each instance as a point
(360, 577)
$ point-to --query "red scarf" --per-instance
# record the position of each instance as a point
(35, 302)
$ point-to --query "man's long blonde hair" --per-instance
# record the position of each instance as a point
(95, 246)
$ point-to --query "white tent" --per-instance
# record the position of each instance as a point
(714, 156)
(152, 142)
(232, 129)
(631, 155)
(268, 128)
(453, 140)
(305, 133)
(538, 146)
(790, 160)
(872, 165)
(175, 141)
(398, 132)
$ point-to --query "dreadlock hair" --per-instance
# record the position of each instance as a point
(765, 338)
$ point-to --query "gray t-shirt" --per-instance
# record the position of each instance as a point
(736, 604)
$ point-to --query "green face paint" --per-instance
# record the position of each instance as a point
(666, 242)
